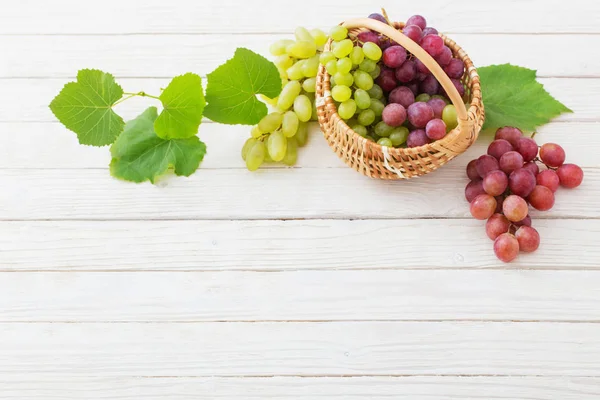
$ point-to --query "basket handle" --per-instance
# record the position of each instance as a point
(421, 54)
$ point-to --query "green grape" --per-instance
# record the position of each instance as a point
(278, 48)
(277, 145)
(302, 34)
(362, 98)
(344, 48)
(383, 130)
(332, 81)
(325, 57)
(344, 65)
(247, 146)
(367, 65)
(331, 67)
(341, 93)
(376, 92)
(310, 68)
(377, 106)
(357, 55)
(284, 61)
(302, 49)
(255, 156)
(343, 79)
(315, 115)
(450, 117)
(361, 130)
(302, 108)
(310, 85)
(295, 71)
(270, 123)
(291, 153)
(363, 80)
(438, 96)
(372, 51)
(288, 95)
(347, 109)
(376, 72)
(255, 132)
(399, 135)
(385, 142)
(282, 73)
(320, 37)
(302, 134)
(289, 125)
(366, 117)
(424, 97)
(338, 33)
(370, 138)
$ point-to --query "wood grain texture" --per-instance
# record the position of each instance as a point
(283, 245)
(511, 295)
(289, 388)
(330, 348)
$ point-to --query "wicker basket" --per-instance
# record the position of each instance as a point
(376, 161)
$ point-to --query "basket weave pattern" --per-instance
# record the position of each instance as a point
(376, 161)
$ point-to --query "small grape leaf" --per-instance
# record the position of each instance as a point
(140, 155)
(232, 88)
(513, 97)
(183, 102)
(85, 107)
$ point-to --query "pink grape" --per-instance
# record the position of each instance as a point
(419, 114)
(532, 167)
(528, 238)
(570, 175)
(541, 198)
(473, 189)
(511, 161)
(515, 208)
(422, 68)
(483, 206)
(506, 247)
(472, 170)
(524, 222)
(402, 95)
(394, 114)
(486, 164)
(368, 36)
(552, 155)
(417, 20)
(414, 87)
(548, 178)
(394, 56)
(495, 183)
(444, 57)
(498, 147)
(430, 31)
(510, 134)
(496, 226)
(528, 148)
(437, 105)
(430, 85)
(406, 72)
(435, 129)
(414, 32)
(432, 44)
(455, 68)
(417, 138)
(387, 79)
(521, 182)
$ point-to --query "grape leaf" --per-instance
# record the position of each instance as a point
(513, 97)
(183, 102)
(139, 154)
(85, 107)
(232, 88)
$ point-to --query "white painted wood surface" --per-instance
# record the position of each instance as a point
(310, 282)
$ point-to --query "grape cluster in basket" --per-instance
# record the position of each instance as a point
(506, 180)
(385, 93)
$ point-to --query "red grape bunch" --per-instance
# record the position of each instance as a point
(507, 180)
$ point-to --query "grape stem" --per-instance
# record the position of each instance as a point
(130, 95)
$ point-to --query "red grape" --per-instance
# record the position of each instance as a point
(422, 68)
(532, 167)
(460, 88)
(528, 148)
(394, 56)
(552, 155)
(435, 129)
(499, 203)
(394, 114)
(495, 183)
(378, 17)
(528, 238)
(402, 95)
(387, 79)
(417, 20)
(486, 164)
(510, 134)
(521, 182)
(385, 42)
(437, 105)
(483, 206)
(515, 208)
(430, 31)
(421, 77)
(498, 147)
(414, 32)
(472, 170)
(444, 57)
(548, 178)
(473, 189)
(455, 68)
(417, 138)
(406, 72)
(506, 247)
(496, 226)
(570, 175)
(414, 87)
(430, 85)
(419, 114)
(432, 44)
(541, 198)
(368, 36)
(511, 161)
(524, 222)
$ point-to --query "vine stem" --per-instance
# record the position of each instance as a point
(130, 95)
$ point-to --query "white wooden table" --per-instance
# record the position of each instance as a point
(312, 282)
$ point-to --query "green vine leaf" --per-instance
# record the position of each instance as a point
(140, 155)
(183, 102)
(513, 97)
(85, 107)
(232, 88)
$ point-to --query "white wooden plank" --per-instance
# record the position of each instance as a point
(229, 16)
(266, 194)
(314, 388)
(27, 100)
(331, 348)
(301, 296)
(283, 245)
(168, 55)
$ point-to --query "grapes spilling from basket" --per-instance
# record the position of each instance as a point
(507, 180)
